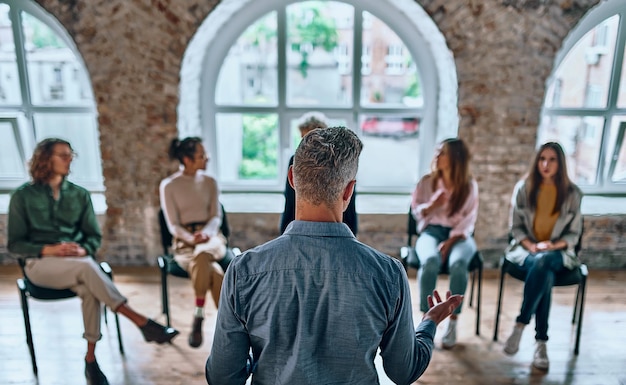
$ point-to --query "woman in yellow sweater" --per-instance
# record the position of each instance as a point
(546, 225)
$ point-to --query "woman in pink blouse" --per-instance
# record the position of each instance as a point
(445, 205)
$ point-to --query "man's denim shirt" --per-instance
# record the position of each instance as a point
(314, 305)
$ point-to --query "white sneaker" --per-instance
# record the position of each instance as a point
(540, 360)
(512, 343)
(449, 339)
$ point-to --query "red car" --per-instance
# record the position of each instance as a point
(390, 126)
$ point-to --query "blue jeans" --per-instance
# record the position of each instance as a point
(427, 248)
(540, 270)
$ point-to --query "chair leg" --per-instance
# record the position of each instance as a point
(106, 317)
(480, 284)
(119, 333)
(499, 308)
(580, 295)
(164, 297)
(471, 301)
(576, 305)
(29, 333)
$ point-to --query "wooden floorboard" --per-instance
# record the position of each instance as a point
(57, 329)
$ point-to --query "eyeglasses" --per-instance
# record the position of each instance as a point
(66, 155)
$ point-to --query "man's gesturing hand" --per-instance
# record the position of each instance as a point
(440, 310)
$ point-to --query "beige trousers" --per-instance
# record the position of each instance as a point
(200, 261)
(83, 276)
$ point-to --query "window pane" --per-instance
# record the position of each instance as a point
(80, 130)
(615, 161)
(390, 152)
(319, 53)
(12, 164)
(581, 138)
(55, 75)
(252, 143)
(582, 78)
(621, 97)
(248, 75)
(618, 174)
(389, 75)
(295, 136)
(10, 92)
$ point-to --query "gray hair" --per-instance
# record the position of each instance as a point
(325, 162)
(312, 120)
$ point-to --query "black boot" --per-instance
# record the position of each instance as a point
(94, 375)
(160, 334)
(195, 337)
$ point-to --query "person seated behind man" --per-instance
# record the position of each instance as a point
(315, 304)
(52, 223)
(189, 200)
(308, 123)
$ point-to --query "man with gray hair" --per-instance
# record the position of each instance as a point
(315, 304)
(309, 122)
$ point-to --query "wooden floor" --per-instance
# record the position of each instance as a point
(57, 329)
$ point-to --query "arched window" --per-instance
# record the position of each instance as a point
(44, 92)
(585, 105)
(363, 64)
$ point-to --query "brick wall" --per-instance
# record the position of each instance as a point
(503, 51)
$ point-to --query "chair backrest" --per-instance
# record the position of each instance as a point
(411, 229)
(166, 236)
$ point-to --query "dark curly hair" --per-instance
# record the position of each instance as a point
(40, 165)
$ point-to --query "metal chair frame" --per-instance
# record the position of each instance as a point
(576, 276)
(28, 289)
(475, 267)
(167, 264)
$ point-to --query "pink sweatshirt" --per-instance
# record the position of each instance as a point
(461, 223)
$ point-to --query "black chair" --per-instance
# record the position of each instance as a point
(167, 264)
(28, 289)
(475, 267)
(577, 276)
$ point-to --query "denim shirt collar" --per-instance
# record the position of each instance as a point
(319, 229)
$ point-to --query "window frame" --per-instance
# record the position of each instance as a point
(595, 18)
(430, 130)
(25, 112)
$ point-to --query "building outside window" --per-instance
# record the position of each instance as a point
(585, 108)
(337, 58)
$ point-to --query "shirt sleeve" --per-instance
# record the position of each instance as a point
(406, 352)
(420, 198)
(572, 232)
(228, 362)
(469, 213)
(18, 229)
(519, 232)
(92, 236)
(215, 210)
(168, 205)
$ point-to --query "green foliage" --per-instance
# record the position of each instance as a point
(414, 88)
(262, 31)
(310, 26)
(42, 36)
(260, 147)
